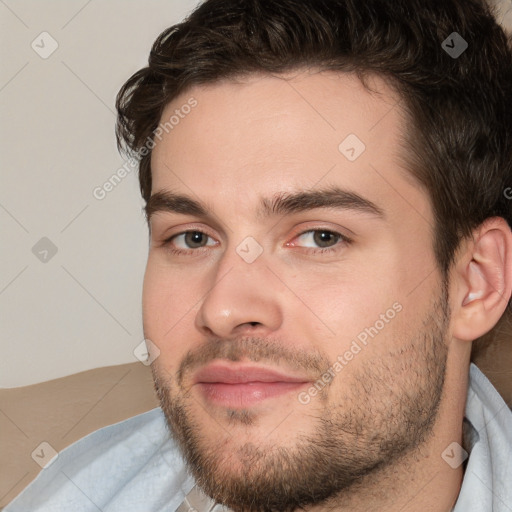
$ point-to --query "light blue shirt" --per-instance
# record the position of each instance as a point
(134, 466)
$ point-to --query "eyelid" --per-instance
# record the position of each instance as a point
(168, 234)
(168, 239)
(343, 239)
(323, 227)
(168, 245)
(184, 233)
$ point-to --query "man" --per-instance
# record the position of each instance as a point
(326, 190)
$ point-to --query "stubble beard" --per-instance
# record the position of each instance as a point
(389, 411)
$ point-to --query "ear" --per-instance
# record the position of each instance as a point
(482, 280)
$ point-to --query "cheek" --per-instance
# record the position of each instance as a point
(365, 299)
(169, 305)
(154, 298)
(169, 291)
(346, 298)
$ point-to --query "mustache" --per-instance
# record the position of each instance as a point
(256, 350)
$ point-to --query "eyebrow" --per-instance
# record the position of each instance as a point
(164, 201)
(332, 197)
(280, 204)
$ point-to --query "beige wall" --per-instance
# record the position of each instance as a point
(79, 308)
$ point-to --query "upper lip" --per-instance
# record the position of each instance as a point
(242, 374)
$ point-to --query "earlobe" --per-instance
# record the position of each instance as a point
(485, 280)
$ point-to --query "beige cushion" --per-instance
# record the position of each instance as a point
(61, 411)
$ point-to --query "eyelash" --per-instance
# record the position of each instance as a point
(324, 250)
(319, 250)
(190, 252)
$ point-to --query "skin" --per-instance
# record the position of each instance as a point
(297, 310)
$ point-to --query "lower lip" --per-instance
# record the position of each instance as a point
(245, 394)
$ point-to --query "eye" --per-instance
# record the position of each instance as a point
(322, 240)
(188, 240)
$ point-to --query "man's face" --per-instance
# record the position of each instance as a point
(301, 322)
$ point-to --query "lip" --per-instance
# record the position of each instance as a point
(242, 385)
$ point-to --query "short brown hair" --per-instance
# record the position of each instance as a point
(459, 146)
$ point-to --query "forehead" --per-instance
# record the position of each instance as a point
(262, 135)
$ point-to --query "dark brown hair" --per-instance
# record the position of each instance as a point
(459, 144)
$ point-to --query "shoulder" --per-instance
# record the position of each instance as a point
(132, 465)
(489, 443)
(485, 407)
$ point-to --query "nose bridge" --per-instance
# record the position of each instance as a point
(241, 294)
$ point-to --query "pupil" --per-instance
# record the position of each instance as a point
(194, 238)
(323, 237)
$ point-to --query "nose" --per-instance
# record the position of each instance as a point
(242, 300)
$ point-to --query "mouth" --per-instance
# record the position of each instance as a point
(238, 385)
